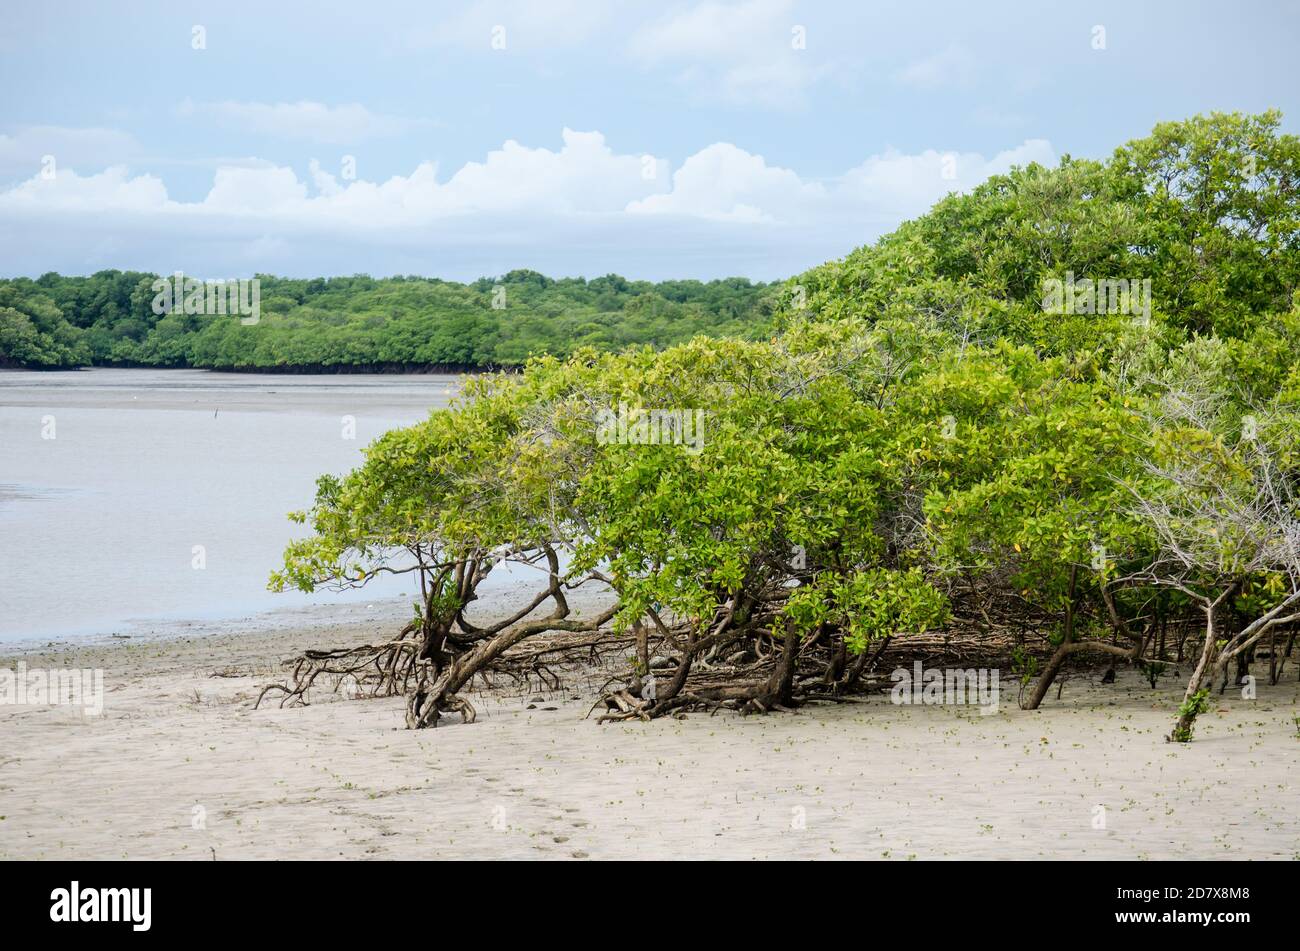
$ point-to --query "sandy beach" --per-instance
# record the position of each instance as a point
(180, 765)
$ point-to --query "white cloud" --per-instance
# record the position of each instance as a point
(585, 176)
(952, 66)
(723, 182)
(21, 153)
(256, 191)
(739, 52)
(582, 208)
(895, 186)
(313, 121)
(111, 190)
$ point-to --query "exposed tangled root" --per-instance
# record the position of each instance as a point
(434, 685)
(662, 667)
(371, 670)
(623, 705)
(763, 678)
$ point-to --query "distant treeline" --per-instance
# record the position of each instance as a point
(362, 323)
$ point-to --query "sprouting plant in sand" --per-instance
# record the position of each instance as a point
(1025, 667)
(1188, 711)
(1152, 670)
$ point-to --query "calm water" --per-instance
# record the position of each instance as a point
(110, 478)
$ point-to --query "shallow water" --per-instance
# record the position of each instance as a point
(133, 496)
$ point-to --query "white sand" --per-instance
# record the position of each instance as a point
(864, 780)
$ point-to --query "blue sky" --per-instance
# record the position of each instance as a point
(692, 139)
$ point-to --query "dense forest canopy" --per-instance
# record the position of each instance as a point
(1059, 415)
(362, 322)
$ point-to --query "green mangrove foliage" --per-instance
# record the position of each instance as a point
(1053, 419)
(361, 322)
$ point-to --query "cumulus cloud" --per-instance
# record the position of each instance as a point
(256, 191)
(23, 152)
(726, 183)
(895, 185)
(111, 190)
(585, 176)
(311, 121)
(581, 208)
